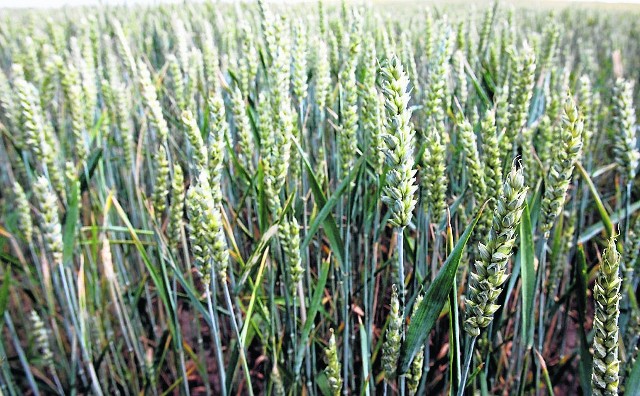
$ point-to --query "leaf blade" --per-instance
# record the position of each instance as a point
(434, 299)
(528, 274)
(316, 300)
(329, 223)
(606, 220)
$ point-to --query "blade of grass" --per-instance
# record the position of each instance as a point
(4, 293)
(633, 381)
(254, 295)
(364, 351)
(94, 160)
(329, 224)
(454, 324)
(582, 279)
(329, 205)
(528, 271)
(70, 222)
(256, 255)
(606, 220)
(314, 306)
(545, 372)
(433, 302)
(597, 228)
(153, 271)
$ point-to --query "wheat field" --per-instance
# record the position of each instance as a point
(319, 199)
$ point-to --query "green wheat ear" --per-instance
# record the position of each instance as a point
(176, 208)
(475, 168)
(289, 233)
(25, 223)
(631, 252)
(194, 136)
(41, 338)
(490, 271)
(333, 366)
(565, 156)
(624, 118)
(415, 370)
(400, 192)
(606, 294)
(347, 136)
(161, 185)
(151, 102)
(434, 178)
(50, 222)
(393, 339)
(243, 129)
(322, 75)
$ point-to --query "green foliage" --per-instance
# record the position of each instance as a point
(197, 194)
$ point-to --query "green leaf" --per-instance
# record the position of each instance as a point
(545, 372)
(597, 228)
(533, 203)
(484, 387)
(90, 168)
(238, 167)
(434, 299)
(263, 207)
(558, 240)
(322, 383)
(254, 295)
(455, 359)
(536, 110)
(329, 205)
(364, 350)
(256, 256)
(585, 365)
(329, 223)
(527, 268)
(4, 293)
(151, 268)
(606, 220)
(474, 80)
(633, 381)
(316, 301)
(70, 222)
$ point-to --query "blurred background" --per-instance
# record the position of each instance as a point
(71, 3)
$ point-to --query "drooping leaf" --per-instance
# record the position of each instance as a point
(329, 223)
(329, 205)
(606, 220)
(597, 228)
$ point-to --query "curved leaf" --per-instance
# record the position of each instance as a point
(329, 223)
(606, 220)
